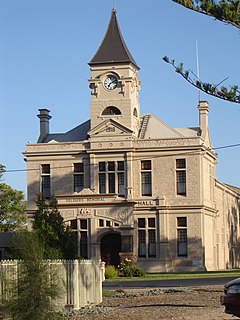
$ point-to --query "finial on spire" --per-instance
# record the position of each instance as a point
(115, 5)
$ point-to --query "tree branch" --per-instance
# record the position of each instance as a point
(227, 11)
(232, 95)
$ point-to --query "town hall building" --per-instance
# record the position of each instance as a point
(129, 184)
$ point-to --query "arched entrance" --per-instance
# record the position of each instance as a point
(110, 248)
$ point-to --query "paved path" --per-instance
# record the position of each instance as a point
(148, 284)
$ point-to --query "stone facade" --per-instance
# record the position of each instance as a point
(132, 186)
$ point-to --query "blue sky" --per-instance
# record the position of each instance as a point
(45, 48)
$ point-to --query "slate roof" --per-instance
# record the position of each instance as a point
(235, 189)
(79, 133)
(154, 128)
(113, 48)
(151, 128)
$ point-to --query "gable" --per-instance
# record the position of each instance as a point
(109, 128)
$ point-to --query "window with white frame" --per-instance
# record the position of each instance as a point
(46, 181)
(182, 236)
(146, 177)
(146, 237)
(181, 177)
(78, 177)
(111, 177)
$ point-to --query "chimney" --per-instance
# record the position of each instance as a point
(203, 117)
(44, 124)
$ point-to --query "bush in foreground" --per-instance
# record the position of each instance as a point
(111, 272)
(31, 295)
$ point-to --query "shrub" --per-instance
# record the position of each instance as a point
(126, 269)
(110, 272)
(37, 286)
(137, 272)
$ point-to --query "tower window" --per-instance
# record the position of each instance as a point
(111, 111)
(135, 113)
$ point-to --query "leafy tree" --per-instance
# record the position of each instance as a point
(12, 207)
(31, 297)
(227, 11)
(60, 242)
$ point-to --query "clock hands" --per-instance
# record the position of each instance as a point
(111, 83)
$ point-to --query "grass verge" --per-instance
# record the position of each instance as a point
(182, 275)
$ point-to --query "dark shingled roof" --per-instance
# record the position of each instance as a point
(113, 48)
(79, 133)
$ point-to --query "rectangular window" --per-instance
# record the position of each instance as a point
(78, 177)
(83, 244)
(111, 182)
(102, 166)
(45, 168)
(121, 178)
(181, 177)
(73, 224)
(46, 181)
(111, 177)
(142, 243)
(102, 183)
(83, 238)
(146, 237)
(146, 177)
(101, 223)
(182, 236)
(151, 243)
(121, 184)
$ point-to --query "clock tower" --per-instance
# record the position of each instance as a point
(114, 82)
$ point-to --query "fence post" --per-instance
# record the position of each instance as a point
(75, 284)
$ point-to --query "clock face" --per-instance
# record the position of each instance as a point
(110, 82)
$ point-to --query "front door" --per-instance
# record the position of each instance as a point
(110, 248)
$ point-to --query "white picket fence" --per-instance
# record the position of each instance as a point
(81, 280)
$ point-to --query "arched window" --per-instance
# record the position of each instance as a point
(109, 111)
(135, 112)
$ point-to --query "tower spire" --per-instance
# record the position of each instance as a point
(113, 49)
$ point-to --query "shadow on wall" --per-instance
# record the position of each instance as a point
(233, 240)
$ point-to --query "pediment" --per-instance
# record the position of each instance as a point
(110, 127)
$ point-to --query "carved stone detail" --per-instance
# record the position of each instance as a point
(120, 215)
(67, 214)
(84, 212)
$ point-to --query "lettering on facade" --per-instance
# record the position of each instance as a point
(110, 129)
(145, 203)
(75, 200)
(170, 143)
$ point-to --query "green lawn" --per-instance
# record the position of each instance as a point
(182, 275)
